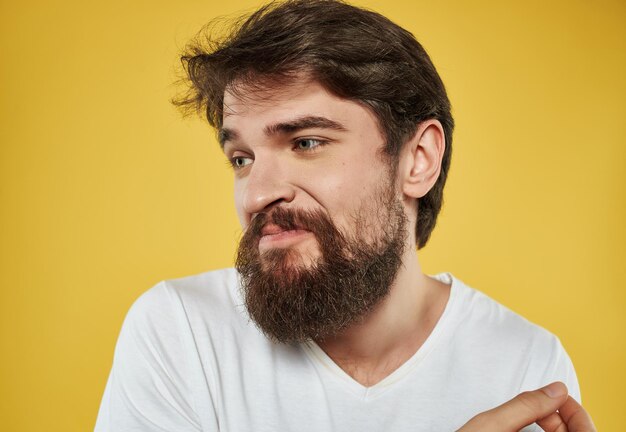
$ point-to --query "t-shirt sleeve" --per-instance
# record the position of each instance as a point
(551, 363)
(564, 371)
(151, 383)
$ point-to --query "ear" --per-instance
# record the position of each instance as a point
(420, 160)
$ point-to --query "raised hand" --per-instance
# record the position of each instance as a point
(550, 407)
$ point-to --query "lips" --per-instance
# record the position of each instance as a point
(282, 229)
(275, 236)
(273, 229)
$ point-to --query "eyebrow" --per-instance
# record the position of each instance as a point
(307, 122)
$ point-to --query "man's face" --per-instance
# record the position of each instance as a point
(325, 227)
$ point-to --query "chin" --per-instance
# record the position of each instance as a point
(290, 259)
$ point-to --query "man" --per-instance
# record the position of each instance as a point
(338, 129)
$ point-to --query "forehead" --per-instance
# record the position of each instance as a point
(247, 106)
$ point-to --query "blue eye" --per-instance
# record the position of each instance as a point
(308, 143)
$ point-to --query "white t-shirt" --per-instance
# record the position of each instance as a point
(188, 358)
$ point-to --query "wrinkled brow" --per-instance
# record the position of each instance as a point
(301, 123)
(308, 122)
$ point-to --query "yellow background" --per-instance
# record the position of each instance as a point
(105, 190)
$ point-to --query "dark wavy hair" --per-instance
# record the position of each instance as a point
(355, 53)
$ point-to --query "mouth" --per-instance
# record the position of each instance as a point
(272, 229)
(274, 236)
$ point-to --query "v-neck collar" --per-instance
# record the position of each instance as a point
(322, 361)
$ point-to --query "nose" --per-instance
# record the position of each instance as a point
(268, 183)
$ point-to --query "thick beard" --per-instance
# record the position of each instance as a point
(291, 301)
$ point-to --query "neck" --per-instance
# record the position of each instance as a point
(389, 335)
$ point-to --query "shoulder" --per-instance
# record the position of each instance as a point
(494, 330)
(216, 290)
(487, 318)
(217, 285)
(182, 305)
(158, 342)
(157, 371)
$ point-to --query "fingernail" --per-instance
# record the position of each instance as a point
(555, 390)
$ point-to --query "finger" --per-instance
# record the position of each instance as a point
(528, 407)
(575, 416)
(522, 410)
(552, 423)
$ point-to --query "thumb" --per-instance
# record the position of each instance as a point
(523, 410)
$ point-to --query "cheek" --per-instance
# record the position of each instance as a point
(346, 187)
(238, 198)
